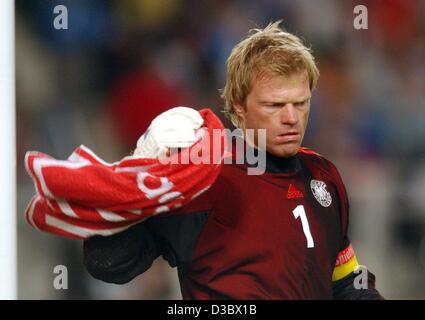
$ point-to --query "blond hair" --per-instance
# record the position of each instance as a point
(270, 51)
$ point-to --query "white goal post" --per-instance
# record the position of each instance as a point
(8, 259)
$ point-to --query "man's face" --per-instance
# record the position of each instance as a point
(280, 105)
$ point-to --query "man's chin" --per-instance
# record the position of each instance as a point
(283, 152)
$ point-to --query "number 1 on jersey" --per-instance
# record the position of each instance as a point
(300, 212)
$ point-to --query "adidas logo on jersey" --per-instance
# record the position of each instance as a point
(294, 193)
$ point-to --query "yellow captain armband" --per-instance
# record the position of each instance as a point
(346, 263)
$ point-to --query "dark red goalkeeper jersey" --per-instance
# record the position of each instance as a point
(270, 236)
(279, 235)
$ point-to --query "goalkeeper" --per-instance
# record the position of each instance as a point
(279, 235)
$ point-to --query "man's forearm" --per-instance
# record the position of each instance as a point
(121, 257)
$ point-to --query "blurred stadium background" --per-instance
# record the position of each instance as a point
(101, 82)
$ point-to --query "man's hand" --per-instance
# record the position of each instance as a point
(175, 128)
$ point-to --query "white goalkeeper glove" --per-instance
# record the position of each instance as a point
(174, 128)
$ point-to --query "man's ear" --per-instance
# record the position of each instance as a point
(239, 110)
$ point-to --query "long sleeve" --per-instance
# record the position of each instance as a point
(345, 288)
(351, 281)
(121, 257)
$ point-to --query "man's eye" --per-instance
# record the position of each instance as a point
(300, 104)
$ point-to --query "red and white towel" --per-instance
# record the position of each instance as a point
(85, 196)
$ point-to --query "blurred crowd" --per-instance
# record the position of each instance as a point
(120, 63)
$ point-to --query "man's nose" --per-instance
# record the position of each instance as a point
(288, 114)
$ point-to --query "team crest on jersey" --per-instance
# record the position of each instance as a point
(320, 193)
